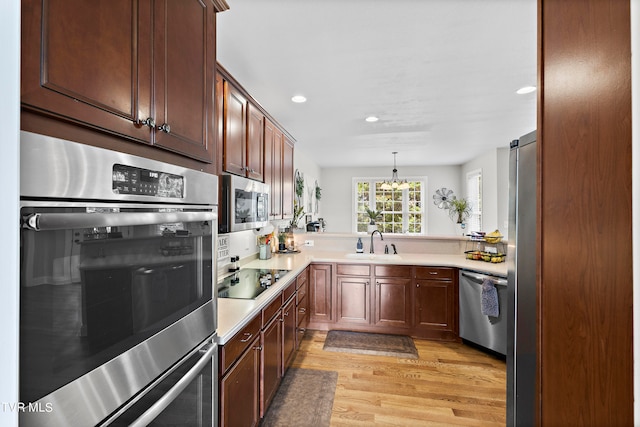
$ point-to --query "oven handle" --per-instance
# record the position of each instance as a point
(162, 403)
(64, 221)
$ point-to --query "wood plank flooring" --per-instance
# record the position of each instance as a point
(451, 384)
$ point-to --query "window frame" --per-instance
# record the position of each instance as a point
(405, 203)
(476, 205)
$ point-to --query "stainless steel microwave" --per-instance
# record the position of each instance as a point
(244, 204)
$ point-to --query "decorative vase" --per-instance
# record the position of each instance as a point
(371, 228)
(460, 226)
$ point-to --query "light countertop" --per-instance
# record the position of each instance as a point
(233, 314)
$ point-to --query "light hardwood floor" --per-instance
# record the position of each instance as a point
(450, 384)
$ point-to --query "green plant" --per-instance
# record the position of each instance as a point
(298, 212)
(299, 184)
(459, 210)
(373, 215)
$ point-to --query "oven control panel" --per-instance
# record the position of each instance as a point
(138, 181)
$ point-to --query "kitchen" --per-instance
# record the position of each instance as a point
(11, 389)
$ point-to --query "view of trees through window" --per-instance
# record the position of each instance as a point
(402, 211)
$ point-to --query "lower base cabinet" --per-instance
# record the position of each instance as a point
(254, 360)
(419, 301)
(239, 397)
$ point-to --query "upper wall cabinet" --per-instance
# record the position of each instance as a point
(141, 70)
(243, 135)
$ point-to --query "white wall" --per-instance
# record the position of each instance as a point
(9, 175)
(495, 187)
(337, 194)
(303, 162)
(635, 138)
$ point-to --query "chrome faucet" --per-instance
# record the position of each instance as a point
(372, 233)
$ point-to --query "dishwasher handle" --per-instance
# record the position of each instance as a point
(479, 278)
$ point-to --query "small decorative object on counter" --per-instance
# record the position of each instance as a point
(234, 264)
(359, 247)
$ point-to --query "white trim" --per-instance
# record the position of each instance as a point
(423, 194)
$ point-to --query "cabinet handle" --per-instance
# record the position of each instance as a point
(258, 348)
(417, 285)
(164, 128)
(148, 122)
(433, 273)
(302, 330)
(302, 310)
(286, 314)
(248, 337)
(377, 283)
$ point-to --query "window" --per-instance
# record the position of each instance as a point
(474, 196)
(403, 211)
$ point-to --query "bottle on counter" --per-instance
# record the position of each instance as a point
(234, 266)
(359, 247)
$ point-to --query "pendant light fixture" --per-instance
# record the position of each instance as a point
(395, 183)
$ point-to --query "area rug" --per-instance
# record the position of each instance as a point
(365, 343)
(304, 398)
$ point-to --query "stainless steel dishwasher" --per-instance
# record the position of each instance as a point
(487, 331)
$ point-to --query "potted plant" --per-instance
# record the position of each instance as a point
(459, 210)
(373, 215)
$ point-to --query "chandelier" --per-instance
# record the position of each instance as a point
(395, 183)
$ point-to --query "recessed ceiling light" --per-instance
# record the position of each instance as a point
(371, 119)
(298, 99)
(526, 89)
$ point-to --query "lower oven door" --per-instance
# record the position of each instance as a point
(184, 396)
(110, 298)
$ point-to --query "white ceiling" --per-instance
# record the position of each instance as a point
(440, 74)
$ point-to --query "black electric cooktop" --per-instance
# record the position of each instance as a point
(248, 283)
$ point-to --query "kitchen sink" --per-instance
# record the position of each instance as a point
(374, 257)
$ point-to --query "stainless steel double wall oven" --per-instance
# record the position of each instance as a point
(117, 309)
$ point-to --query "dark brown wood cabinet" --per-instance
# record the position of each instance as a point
(353, 294)
(288, 332)
(436, 303)
(240, 377)
(271, 363)
(255, 143)
(287, 178)
(273, 142)
(395, 299)
(234, 133)
(139, 70)
(302, 305)
(320, 293)
(392, 296)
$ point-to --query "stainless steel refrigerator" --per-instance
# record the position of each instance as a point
(521, 278)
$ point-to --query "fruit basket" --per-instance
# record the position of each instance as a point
(485, 256)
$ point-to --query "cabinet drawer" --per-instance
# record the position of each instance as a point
(302, 314)
(302, 292)
(435, 273)
(393, 271)
(353, 269)
(269, 311)
(302, 278)
(232, 350)
(289, 291)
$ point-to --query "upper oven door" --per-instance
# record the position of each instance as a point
(127, 285)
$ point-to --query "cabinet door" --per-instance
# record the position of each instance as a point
(184, 64)
(273, 140)
(288, 333)
(320, 293)
(271, 363)
(234, 142)
(287, 179)
(255, 143)
(353, 299)
(392, 302)
(89, 62)
(239, 390)
(435, 307)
